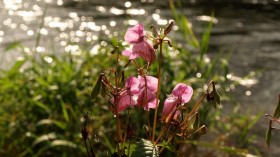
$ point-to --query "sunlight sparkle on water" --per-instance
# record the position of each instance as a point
(248, 82)
(59, 2)
(127, 4)
(113, 23)
(116, 11)
(101, 9)
(48, 59)
(135, 11)
(30, 32)
(12, 4)
(207, 18)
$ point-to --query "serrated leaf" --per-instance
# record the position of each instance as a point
(96, 88)
(277, 110)
(145, 148)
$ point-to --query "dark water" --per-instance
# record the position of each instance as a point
(249, 28)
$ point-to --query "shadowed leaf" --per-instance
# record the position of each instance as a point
(96, 88)
(277, 110)
(268, 135)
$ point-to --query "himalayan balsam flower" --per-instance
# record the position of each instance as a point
(141, 47)
(138, 92)
(128, 97)
(148, 89)
(180, 94)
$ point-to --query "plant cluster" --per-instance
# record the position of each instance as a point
(124, 93)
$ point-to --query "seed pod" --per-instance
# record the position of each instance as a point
(168, 28)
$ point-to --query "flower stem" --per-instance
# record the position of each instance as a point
(158, 89)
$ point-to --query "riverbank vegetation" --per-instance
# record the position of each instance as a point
(51, 103)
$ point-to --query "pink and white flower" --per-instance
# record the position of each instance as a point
(180, 94)
(141, 47)
(139, 92)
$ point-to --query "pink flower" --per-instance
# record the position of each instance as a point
(127, 97)
(139, 91)
(141, 47)
(180, 94)
(148, 88)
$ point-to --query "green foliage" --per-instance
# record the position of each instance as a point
(277, 110)
(43, 99)
(145, 148)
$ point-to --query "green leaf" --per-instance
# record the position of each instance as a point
(168, 146)
(62, 143)
(217, 98)
(64, 111)
(96, 88)
(46, 137)
(42, 106)
(268, 135)
(145, 148)
(15, 69)
(59, 124)
(206, 38)
(12, 46)
(277, 110)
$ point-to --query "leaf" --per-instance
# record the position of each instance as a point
(15, 69)
(59, 124)
(145, 148)
(206, 38)
(12, 46)
(214, 97)
(64, 111)
(46, 137)
(168, 146)
(96, 88)
(42, 106)
(268, 135)
(277, 110)
(63, 143)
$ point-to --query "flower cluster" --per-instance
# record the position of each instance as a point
(141, 91)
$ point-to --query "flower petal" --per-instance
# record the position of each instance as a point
(125, 101)
(134, 84)
(130, 54)
(134, 33)
(144, 50)
(152, 83)
(146, 99)
(183, 91)
(169, 108)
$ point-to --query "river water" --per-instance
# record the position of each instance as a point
(250, 28)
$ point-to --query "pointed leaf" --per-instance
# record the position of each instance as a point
(12, 46)
(268, 135)
(217, 98)
(63, 143)
(96, 88)
(46, 137)
(277, 110)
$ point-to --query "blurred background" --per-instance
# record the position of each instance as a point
(247, 30)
